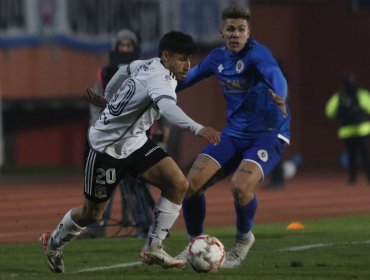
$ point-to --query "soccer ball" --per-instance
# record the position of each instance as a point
(206, 253)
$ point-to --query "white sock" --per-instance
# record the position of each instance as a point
(66, 230)
(164, 216)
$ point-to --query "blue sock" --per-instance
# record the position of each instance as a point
(194, 210)
(245, 216)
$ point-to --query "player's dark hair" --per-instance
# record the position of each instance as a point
(236, 11)
(177, 42)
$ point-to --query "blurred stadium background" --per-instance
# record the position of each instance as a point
(50, 51)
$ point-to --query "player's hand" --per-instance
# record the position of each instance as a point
(94, 98)
(279, 101)
(210, 134)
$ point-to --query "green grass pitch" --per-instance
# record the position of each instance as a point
(325, 249)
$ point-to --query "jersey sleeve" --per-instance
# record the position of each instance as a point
(176, 116)
(196, 73)
(272, 75)
(364, 100)
(331, 108)
(133, 66)
(162, 85)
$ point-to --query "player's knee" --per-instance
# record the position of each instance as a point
(182, 186)
(242, 194)
(189, 193)
(192, 189)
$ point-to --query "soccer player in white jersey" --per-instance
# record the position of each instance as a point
(117, 144)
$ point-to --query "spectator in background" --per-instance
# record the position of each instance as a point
(351, 106)
(136, 200)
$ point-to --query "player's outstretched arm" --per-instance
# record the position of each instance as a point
(279, 101)
(94, 98)
(176, 116)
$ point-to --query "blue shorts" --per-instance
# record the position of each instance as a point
(264, 151)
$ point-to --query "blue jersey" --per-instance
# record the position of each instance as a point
(245, 78)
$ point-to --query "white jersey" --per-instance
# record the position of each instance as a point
(121, 128)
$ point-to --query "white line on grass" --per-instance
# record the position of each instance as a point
(319, 245)
(288, 249)
(121, 265)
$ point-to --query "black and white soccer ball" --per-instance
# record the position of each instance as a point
(206, 253)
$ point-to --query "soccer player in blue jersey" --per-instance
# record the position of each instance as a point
(257, 128)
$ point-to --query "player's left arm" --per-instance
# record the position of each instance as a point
(273, 77)
(174, 114)
(94, 98)
(162, 92)
(279, 101)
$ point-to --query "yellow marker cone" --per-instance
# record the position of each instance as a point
(295, 225)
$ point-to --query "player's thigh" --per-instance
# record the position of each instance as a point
(204, 172)
(165, 175)
(212, 165)
(247, 176)
(101, 175)
(258, 161)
